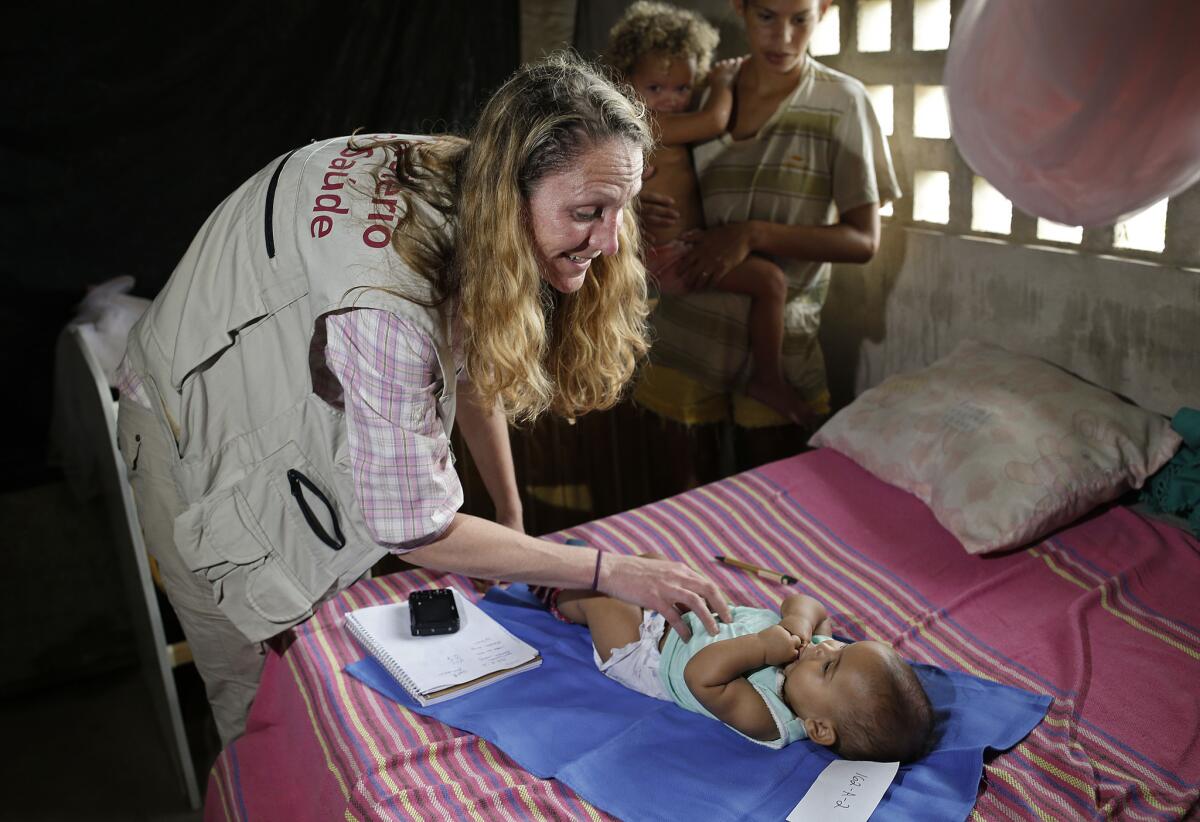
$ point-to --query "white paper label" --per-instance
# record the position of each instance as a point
(845, 792)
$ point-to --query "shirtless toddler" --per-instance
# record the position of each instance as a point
(664, 51)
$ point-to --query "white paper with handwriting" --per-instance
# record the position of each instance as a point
(845, 791)
(434, 668)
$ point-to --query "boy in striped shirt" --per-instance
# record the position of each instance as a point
(664, 52)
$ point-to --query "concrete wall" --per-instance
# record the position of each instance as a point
(1131, 326)
(546, 25)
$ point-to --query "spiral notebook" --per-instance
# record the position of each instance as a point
(436, 668)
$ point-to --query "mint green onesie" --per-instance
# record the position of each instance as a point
(768, 681)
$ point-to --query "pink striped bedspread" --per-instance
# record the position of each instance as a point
(1104, 616)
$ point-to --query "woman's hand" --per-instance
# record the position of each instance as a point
(780, 646)
(717, 251)
(668, 587)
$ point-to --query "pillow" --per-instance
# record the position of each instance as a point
(1004, 448)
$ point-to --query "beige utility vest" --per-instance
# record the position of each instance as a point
(271, 518)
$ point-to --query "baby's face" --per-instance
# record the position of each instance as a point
(830, 675)
(665, 83)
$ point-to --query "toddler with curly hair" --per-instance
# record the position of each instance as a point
(665, 52)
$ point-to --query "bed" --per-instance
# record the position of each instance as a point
(1102, 616)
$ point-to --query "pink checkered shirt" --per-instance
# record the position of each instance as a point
(401, 464)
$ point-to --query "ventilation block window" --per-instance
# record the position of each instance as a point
(881, 101)
(827, 39)
(1144, 231)
(931, 117)
(991, 211)
(931, 197)
(931, 25)
(875, 25)
(1059, 233)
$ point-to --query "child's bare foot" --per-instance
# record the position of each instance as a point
(780, 396)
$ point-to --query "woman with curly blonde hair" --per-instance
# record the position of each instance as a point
(287, 399)
(533, 341)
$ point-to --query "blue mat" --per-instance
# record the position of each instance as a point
(643, 759)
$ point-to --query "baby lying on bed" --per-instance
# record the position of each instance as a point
(774, 678)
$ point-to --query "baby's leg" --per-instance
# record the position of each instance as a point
(613, 623)
(766, 286)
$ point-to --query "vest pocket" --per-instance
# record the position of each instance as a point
(267, 566)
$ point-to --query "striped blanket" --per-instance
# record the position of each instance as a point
(1103, 616)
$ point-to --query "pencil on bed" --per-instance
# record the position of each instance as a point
(765, 573)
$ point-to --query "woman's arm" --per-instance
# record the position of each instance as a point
(486, 434)
(853, 239)
(479, 548)
(716, 677)
(408, 490)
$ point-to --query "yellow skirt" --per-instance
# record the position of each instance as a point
(676, 396)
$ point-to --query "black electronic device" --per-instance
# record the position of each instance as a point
(432, 612)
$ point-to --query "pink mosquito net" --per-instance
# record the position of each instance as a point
(1079, 111)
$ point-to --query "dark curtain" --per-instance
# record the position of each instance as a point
(122, 129)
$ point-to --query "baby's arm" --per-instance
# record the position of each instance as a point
(711, 119)
(804, 616)
(716, 677)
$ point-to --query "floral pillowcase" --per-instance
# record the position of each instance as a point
(1004, 448)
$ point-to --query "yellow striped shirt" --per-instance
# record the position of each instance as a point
(821, 152)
